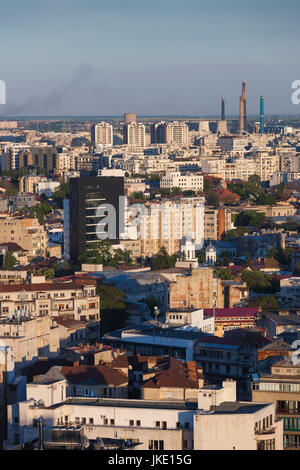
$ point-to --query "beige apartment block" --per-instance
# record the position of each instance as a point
(71, 300)
(166, 222)
(134, 134)
(102, 134)
(26, 232)
(30, 338)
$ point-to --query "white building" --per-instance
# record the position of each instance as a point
(102, 134)
(216, 422)
(176, 179)
(134, 134)
(222, 423)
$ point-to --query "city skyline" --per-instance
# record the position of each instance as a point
(66, 59)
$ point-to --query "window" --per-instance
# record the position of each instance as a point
(131, 422)
(91, 421)
(138, 423)
(157, 424)
(112, 421)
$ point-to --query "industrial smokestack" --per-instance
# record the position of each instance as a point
(243, 108)
(244, 90)
(223, 109)
(262, 116)
(242, 117)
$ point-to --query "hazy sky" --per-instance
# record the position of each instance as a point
(85, 57)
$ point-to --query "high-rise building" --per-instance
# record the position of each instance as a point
(92, 213)
(134, 134)
(176, 132)
(102, 134)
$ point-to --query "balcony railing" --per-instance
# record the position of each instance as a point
(287, 411)
(263, 432)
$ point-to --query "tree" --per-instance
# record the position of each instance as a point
(212, 199)
(200, 254)
(60, 194)
(265, 301)
(291, 225)
(223, 273)
(40, 210)
(103, 253)
(10, 261)
(260, 282)
(163, 260)
(246, 219)
(137, 195)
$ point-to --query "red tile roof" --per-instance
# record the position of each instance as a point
(97, 375)
(231, 312)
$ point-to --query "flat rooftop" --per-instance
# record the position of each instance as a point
(238, 408)
(130, 403)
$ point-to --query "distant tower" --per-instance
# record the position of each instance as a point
(262, 116)
(211, 255)
(129, 117)
(243, 108)
(245, 102)
(223, 109)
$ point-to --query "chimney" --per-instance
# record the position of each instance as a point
(262, 116)
(223, 109)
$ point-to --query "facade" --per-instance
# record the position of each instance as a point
(102, 134)
(91, 198)
(176, 132)
(197, 289)
(216, 222)
(191, 181)
(71, 300)
(282, 388)
(134, 134)
(152, 425)
(165, 223)
(26, 232)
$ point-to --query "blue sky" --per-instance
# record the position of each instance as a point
(148, 56)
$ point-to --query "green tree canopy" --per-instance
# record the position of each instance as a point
(10, 260)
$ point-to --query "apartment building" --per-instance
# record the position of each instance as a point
(102, 134)
(234, 145)
(282, 388)
(134, 134)
(290, 163)
(216, 222)
(290, 291)
(266, 165)
(165, 223)
(73, 300)
(184, 181)
(176, 132)
(222, 319)
(223, 423)
(26, 232)
(149, 424)
(232, 356)
(29, 338)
